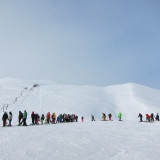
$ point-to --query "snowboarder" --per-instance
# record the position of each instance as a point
(4, 118)
(120, 116)
(82, 118)
(42, 118)
(104, 116)
(110, 115)
(10, 118)
(140, 116)
(92, 118)
(24, 118)
(157, 117)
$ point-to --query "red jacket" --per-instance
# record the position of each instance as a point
(48, 115)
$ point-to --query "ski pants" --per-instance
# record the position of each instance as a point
(24, 122)
(4, 122)
(9, 122)
(32, 120)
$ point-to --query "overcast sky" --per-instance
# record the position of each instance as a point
(83, 42)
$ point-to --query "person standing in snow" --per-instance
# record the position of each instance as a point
(76, 118)
(4, 118)
(120, 116)
(42, 118)
(152, 117)
(33, 117)
(148, 118)
(82, 119)
(53, 118)
(48, 117)
(104, 116)
(92, 118)
(20, 117)
(140, 116)
(10, 118)
(110, 116)
(157, 117)
(24, 118)
(36, 118)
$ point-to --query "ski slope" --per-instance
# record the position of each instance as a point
(100, 140)
(113, 140)
(130, 99)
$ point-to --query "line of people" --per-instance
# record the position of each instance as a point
(149, 118)
(52, 118)
(110, 116)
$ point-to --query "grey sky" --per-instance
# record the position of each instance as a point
(95, 42)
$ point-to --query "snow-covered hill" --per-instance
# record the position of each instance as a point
(113, 140)
(130, 99)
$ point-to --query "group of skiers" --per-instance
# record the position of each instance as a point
(22, 117)
(6, 117)
(52, 118)
(149, 118)
(110, 116)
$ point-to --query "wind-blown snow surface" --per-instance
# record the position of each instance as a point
(114, 140)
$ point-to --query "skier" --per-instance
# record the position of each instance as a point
(24, 118)
(92, 118)
(152, 117)
(53, 118)
(48, 117)
(36, 118)
(140, 116)
(76, 118)
(120, 116)
(157, 117)
(33, 117)
(82, 119)
(42, 118)
(20, 117)
(104, 116)
(110, 115)
(10, 118)
(4, 118)
(148, 117)
(60, 118)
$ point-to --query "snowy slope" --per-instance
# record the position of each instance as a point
(130, 99)
(113, 140)
(82, 141)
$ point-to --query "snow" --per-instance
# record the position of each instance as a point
(100, 140)
(89, 140)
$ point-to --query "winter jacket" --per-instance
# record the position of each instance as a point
(5, 116)
(110, 115)
(10, 117)
(25, 115)
(120, 115)
(48, 115)
(54, 115)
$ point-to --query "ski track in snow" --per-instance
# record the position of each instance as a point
(89, 140)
